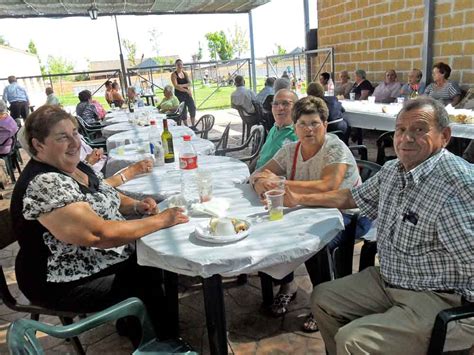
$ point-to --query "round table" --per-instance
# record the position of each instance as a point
(131, 154)
(127, 117)
(165, 180)
(137, 134)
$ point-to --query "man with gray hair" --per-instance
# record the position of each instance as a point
(424, 205)
(17, 97)
(242, 97)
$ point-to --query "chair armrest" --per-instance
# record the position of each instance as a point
(438, 334)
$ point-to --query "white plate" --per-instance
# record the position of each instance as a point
(202, 232)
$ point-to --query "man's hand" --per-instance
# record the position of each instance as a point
(147, 206)
(173, 216)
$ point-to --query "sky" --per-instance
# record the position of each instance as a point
(81, 40)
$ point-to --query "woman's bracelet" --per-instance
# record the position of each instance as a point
(123, 177)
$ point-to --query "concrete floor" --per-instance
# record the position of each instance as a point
(249, 331)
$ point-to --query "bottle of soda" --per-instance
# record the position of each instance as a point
(188, 164)
(167, 140)
(155, 144)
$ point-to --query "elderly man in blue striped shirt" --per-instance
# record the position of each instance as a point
(17, 98)
(424, 205)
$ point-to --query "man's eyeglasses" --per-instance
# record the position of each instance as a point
(312, 125)
(285, 104)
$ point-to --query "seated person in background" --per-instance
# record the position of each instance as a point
(283, 131)
(425, 239)
(117, 98)
(267, 90)
(468, 153)
(242, 96)
(8, 129)
(280, 83)
(362, 88)
(133, 97)
(170, 103)
(318, 162)
(324, 79)
(108, 92)
(343, 86)
(443, 89)
(51, 99)
(77, 250)
(99, 108)
(389, 89)
(414, 87)
(336, 121)
(86, 109)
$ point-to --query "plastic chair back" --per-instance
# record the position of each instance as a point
(206, 122)
(367, 169)
(221, 145)
(384, 141)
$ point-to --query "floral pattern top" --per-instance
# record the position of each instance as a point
(68, 262)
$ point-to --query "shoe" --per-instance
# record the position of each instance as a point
(310, 325)
(280, 303)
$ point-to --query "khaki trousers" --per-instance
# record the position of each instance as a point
(359, 314)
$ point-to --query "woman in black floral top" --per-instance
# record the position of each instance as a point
(76, 249)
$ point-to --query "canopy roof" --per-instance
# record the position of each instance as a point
(66, 8)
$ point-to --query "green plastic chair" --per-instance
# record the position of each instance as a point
(22, 339)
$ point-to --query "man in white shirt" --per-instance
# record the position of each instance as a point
(242, 96)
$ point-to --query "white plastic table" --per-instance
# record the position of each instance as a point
(275, 247)
(131, 154)
(140, 134)
(126, 117)
(165, 180)
(362, 114)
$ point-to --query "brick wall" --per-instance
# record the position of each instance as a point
(376, 35)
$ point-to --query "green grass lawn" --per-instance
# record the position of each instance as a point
(220, 98)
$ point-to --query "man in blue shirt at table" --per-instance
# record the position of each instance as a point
(424, 202)
(17, 98)
(283, 131)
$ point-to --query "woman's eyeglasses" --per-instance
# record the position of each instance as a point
(312, 125)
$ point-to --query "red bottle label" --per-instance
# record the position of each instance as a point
(188, 162)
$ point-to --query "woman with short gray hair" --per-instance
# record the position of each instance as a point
(8, 129)
(170, 103)
(362, 88)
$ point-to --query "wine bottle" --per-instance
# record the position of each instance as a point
(167, 140)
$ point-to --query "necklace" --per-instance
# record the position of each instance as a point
(80, 178)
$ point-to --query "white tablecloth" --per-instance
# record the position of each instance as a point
(126, 117)
(116, 162)
(165, 180)
(362, 114)
(136, 133)
(124, 112)
(275, 247)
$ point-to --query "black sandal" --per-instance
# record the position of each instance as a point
(280, 303)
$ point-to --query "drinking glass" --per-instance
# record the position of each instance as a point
(371, 99)
(178, 201)
(352, 96)
(204, 181)
(278, 182)
(120, 146)
(275, 204)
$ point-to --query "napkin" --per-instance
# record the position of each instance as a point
(216, 207)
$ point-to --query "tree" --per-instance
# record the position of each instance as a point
(219, 45)
(4, 42)
(59, 65)
(198, 55)
(131, 49)
(33, 50)
(155, 40)
(279, 51)
(239, 40)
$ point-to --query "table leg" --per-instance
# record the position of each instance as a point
(153, 101)
(266, 283)
(147, 100)
(215, 314)
(172, 306)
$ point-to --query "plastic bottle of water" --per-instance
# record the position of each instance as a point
(330, 87)
(156, 149)
(188, 165)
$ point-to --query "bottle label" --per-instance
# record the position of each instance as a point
(188, 162)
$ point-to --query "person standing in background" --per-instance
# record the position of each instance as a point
(17, 97)
(181, 82)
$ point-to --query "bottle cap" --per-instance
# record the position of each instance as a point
(186, 138)
(152, 122)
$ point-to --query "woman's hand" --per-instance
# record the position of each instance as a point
(290, 199)
(147, 206)
(94, 156)
(173, 216)
(141, 167)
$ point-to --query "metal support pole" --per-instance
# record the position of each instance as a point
(306, 32)
(122, 62)
(427, 48)
(252, 53)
